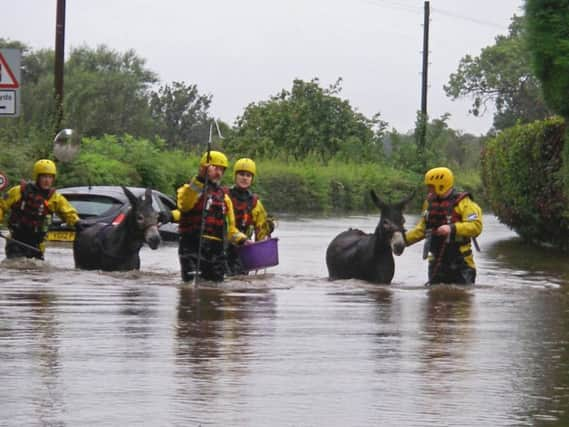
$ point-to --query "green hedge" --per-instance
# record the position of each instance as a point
(337, 186)
(525, 179)
(307, 186)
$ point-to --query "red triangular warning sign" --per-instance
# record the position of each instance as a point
(7, 78)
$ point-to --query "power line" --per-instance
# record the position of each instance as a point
(466, 18)
(407, 7)
(394, 5)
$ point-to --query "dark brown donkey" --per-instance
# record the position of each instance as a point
(116, 247)
(359, 255)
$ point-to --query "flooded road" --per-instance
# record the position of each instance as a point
(288, 348)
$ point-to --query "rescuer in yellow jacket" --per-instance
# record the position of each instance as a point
(250, 214)
(451, 221)
(206, 212)
(31, 205)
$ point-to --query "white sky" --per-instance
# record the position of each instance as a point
(245, 51)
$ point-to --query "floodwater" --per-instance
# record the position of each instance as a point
(288, 347)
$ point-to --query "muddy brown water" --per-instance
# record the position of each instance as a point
(287, 347)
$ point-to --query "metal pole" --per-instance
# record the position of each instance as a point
(59, 61)
(205, 207)
(424, 85)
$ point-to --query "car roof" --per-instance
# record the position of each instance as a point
(114, 191)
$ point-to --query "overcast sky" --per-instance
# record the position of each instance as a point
(245, 51)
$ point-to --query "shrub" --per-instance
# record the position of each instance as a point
(524, 176)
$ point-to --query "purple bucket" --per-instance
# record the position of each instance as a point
(259, 255)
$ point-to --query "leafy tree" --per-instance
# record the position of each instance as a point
(548, 40)
(307, 120)
(444, 146)
(180, 115)
(127, 160)
(501, 76)
(107, 92)
(15, 159)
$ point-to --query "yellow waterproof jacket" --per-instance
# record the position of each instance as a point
(187, 197)
(469, 226)
(263, 226)
(250, 219)
(57, 204)
(176, 215)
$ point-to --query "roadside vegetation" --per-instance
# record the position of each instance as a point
(315, 153)
(524, 75)
(524, 176)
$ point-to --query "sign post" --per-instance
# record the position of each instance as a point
(10, 60)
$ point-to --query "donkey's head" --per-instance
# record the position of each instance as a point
(391, 222)
(143, 218)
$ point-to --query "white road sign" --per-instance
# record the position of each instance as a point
(7, 102)
(10, 60)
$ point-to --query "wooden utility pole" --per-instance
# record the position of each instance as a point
(59, 61)
(425, 82)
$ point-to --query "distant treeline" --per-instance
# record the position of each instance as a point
(315, 152)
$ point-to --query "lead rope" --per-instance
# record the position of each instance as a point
(446, 241)
(438, 262)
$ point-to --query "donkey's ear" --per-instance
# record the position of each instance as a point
(376, 200)
(148, 196)
(406, 200)
(131, 197)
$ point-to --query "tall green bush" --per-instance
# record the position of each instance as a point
(548, 41)
(20, 147)
(113, 160)
(524, 176)
(309, 186)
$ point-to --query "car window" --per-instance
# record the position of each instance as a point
(157, 203)
(91, 205)
(168, 203)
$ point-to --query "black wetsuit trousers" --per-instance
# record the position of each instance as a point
(213, 262)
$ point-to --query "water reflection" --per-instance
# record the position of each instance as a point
(541, 353)
(199, 324)
(32, 343)
(446, 325)
(138, 308)
(383, 302)
(390, 330)
(529, 262)
(213, 333)
(290, 348)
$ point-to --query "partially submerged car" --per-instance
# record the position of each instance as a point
(108, 204)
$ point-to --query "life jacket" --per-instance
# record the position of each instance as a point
(214, 214)
(243, 204)
(441, 212)
(30, 212)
